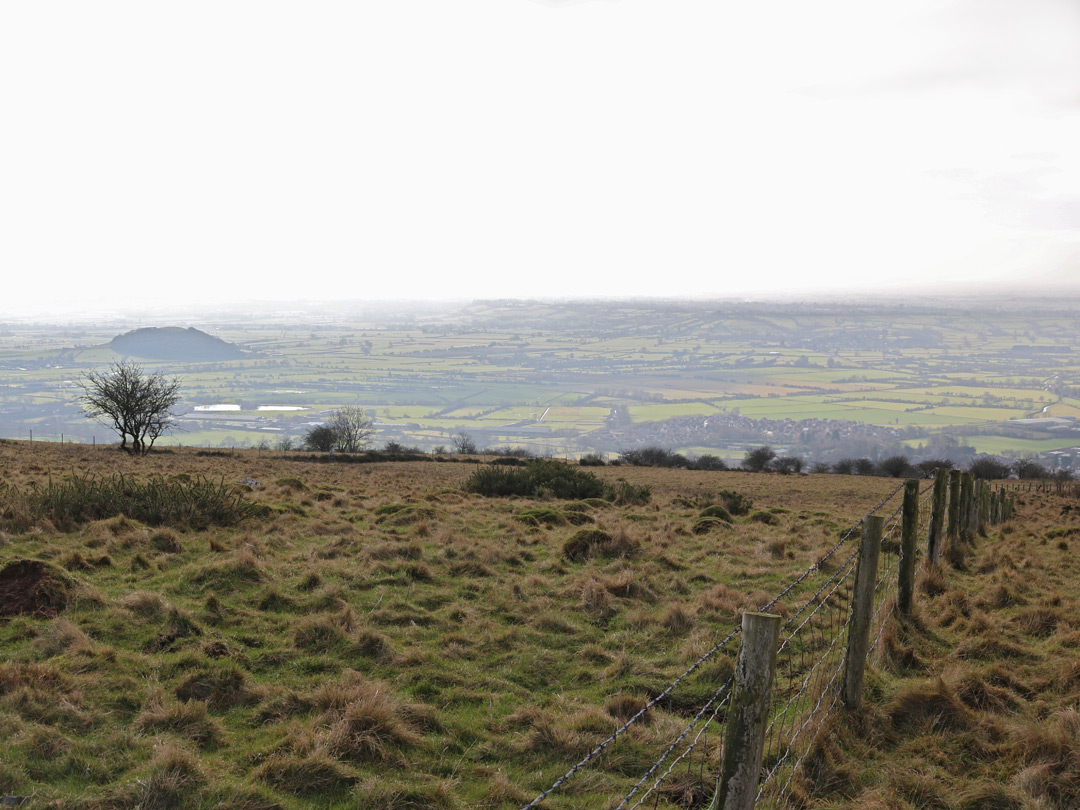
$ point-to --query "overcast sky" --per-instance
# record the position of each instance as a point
(543, 148)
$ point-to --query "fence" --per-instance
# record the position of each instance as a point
(761, 723)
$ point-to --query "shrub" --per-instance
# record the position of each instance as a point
(653, 457)
(708, 462)
(758, 460)
(735, 502)
(511, 452)
(535, 478)
(195, 503)
(626, 494)
(592, 460)
(895, 466)
(989, 468)
(788, 464)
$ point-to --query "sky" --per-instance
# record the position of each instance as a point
(213, 151)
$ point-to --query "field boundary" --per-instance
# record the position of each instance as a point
(834, 614)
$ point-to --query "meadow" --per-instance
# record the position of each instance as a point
(377, 636)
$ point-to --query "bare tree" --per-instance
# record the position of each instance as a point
(136, 404)
(463, 442)
(353, 427)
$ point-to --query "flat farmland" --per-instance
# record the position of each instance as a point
(575, 377)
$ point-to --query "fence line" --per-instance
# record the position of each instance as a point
(810, 659)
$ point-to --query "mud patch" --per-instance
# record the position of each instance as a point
(32, 588)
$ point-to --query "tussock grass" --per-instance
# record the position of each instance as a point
(587, 543)
(487, 659)
(189, 719)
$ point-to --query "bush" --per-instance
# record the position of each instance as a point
(895, 466)
(735, 502)
(989, 468)
(708, 462)
(510, 452)
(759, 459)
(653, 457)
(626, 494)
(193, 503)
(535, 478)
(592, 460)
(788, 464)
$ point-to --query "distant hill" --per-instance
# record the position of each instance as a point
(174, 343)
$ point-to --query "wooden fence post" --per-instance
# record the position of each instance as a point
(967, 481)
(937, 514)
(954, 505)
(748, 716)
(908, 531)
(862, 609)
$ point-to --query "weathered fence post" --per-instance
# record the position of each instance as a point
(748, 717)
(908, 531)
(937, 514)
(862, 609)
(973, 503)
(954, 505)
(966, 481)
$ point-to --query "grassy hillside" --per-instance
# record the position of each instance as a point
(379, 637)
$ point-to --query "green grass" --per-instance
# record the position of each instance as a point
(381, 631)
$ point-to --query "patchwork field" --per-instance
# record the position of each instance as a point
(564, 378)
(382, 638)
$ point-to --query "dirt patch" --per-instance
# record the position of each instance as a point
(31, 588)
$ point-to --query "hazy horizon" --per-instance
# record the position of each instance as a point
(515, 148)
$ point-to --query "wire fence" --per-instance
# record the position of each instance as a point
(810, 662)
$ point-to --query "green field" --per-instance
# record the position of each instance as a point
(574, 377)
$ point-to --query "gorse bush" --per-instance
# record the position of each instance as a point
(626, 494)
(735, 502)
(194, 503)
(545, 477)
(534, 479)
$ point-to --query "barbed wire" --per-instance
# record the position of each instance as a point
(720, 703)
(640, 713)
(827, 690)
(602, 746)
(804, 676)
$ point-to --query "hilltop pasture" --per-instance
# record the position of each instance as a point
(383, 638)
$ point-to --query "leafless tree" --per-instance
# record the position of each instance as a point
(353, 428)
(463, 443)
(136, 404)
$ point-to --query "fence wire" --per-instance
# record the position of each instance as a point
(810, 659)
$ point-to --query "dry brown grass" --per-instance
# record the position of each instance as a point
(507, 658)
(190, 719)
